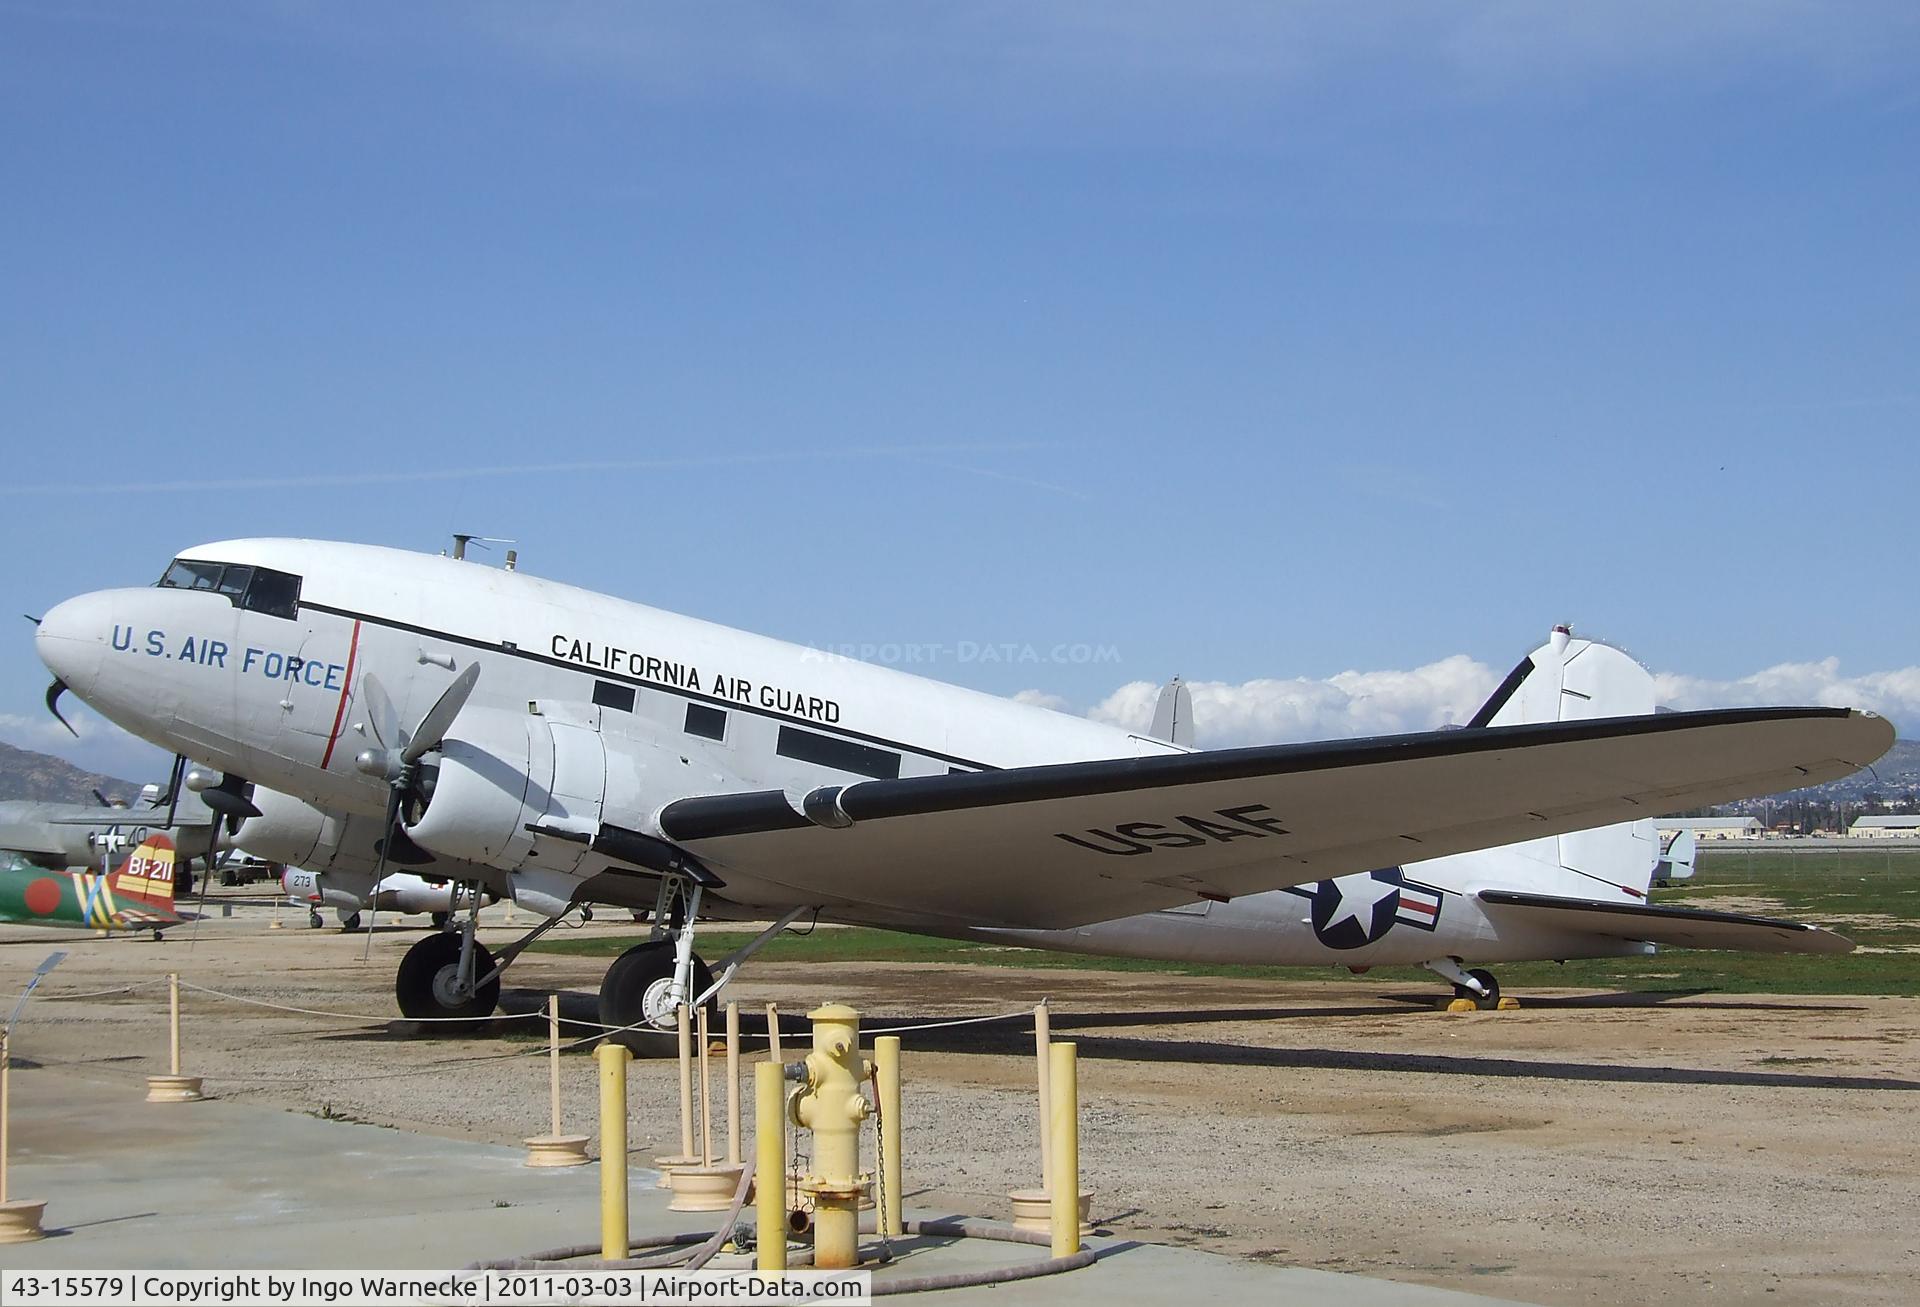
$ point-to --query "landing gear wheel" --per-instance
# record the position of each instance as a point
(440, 920)
(350, 922)
(1487, 1001)
(634, 993)
(313, 919)
(428, 982)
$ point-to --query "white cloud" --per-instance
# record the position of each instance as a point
(1272, 711)
(1351, 704)
(1041, 699)
(1893, 694)
(986, 54)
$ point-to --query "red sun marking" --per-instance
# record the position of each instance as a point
(43, 896)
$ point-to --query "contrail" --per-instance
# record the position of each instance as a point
(320, 479)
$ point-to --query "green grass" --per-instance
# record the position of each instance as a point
(1815, 887)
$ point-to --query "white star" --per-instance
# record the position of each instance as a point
(1359, 896)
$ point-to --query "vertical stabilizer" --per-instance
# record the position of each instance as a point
(1568, 679)
(1173, 715)
(147, 874)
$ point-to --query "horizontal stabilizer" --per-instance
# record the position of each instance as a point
(1680, 927)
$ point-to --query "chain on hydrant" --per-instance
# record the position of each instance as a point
(832, 1107)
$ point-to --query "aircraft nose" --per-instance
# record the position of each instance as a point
(72, 639)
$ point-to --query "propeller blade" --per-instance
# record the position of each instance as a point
(54, 691)
(229, 800)
(395, 797)
(439, 719)
(381, 717)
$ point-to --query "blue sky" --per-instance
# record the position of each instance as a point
(1259, 343)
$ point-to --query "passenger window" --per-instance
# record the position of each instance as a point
(842, 755)
(708, 723)
(617, 697)
(277, 594)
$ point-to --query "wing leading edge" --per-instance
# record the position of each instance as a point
(1071, 843)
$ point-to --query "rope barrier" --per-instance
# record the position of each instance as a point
(91, 993)
(357, 1017)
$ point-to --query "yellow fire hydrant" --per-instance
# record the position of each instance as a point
(832, 1106)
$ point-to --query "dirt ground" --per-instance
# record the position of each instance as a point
(1586, 1149)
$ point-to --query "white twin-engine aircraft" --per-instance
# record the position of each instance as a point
(362, 706)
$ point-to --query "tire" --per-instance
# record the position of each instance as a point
(421, 983)
(350, 923)
(623, 995)
(440, 920)
(1487, 1001)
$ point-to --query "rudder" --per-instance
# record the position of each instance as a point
(1572, 680)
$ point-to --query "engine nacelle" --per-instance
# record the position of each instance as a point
(500, 773)
(296, 834)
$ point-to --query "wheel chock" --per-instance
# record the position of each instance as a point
(1508, 1004)
(1463, 1005)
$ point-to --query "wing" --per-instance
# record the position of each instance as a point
(1067, 844)
(1681, 927)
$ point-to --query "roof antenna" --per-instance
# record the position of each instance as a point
(461, 539)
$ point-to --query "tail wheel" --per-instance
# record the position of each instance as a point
(634, 993)
(1487, 1001)
(428, 982)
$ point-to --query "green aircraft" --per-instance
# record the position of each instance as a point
(139, 895)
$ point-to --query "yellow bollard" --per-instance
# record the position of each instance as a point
(886, 1058)
(833, 1108)
(686, 1157)
(706, 1095)
(553, 1062)
(686, 1084)
(770, 1152)
(1065, 1114)
(19, 1217)
(613, 1059)
(554, 1148)
(173, 1087)
(1042, 1040)
(733, 1084)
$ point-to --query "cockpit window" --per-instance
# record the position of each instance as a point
(187, 574)
(256, 589)
(233, 581)
(277, 594)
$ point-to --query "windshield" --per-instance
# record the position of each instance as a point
(256, 589)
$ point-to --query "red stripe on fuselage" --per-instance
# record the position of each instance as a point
(346, 688)
(1413, 905)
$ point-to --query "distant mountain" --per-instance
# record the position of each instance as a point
(25, 774)
(1894, 779)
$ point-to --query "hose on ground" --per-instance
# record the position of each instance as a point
(710, 1242)
(996, 1275)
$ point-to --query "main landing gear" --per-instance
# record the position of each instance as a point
(1477, 986)
(649, 981)
(452, 974)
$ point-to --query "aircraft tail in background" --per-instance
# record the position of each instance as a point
(146, 878)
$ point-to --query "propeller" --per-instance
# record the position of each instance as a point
(54, 691)
(397, 761)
